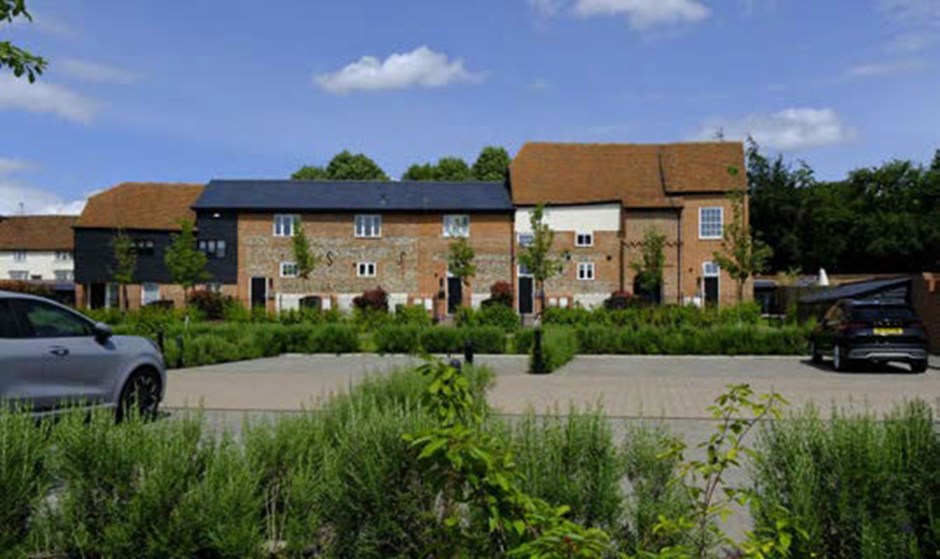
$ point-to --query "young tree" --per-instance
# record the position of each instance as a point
(460, 260)
(742, 256)
(537, 257)
(19, 60)
(492, 164)
(649, 270)
(306, 261)
(125, 258)
(187, 265)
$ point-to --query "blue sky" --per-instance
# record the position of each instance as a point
(151, 91)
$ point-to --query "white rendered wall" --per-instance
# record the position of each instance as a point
(595, 217)
(37, 264)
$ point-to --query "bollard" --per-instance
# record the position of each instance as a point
(179, 356)
(468, 352)
(538, 359)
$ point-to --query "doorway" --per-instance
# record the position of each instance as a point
(526, 291)
(259, 292)
(454, 294)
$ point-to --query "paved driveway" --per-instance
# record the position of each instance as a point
(626, 386)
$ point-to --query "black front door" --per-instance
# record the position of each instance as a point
(711, 290)
(526, 291)
(454, 294)
(259, 292)
(96, 296)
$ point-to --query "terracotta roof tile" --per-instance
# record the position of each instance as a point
(639, 175)
(141, 205)
(37, 232)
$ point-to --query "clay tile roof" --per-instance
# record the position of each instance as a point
(37, 232)
(638, 175)
(141, 205)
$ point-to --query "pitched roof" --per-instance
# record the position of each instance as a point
(37, 232)
(340, 196)
(141, 205)
(638, 175)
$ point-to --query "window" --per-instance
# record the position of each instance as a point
(365, 269)
(368, 225)
(284, 224)
(48, 321)
(143, 247)
(710, 223)
(63, 255)
(212, 249)
(526, 239)
(288, 269)
(149, 293)
(64, 275)
(583, 239)
(457, 225)
(19, 256)
(586, 271)
(19, 275)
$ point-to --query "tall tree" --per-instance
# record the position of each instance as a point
(460, 260)
(649, 270)
(125, 259)
(538, 257)
(186, 264)
(492, 164)
(741, 255)
(310, 173)
(346, 166)
(305, 260)
(17, 59)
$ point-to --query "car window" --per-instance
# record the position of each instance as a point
(8, 326)
(48, 321)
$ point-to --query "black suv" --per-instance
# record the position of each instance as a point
(872, 331)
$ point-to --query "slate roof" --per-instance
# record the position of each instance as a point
(350, 196)
(141, 205)
(37, 232)
(639, 175)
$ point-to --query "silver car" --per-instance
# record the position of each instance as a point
(52, 356)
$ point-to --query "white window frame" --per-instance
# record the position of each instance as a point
(366, 269)
(19, 256)
(285, 269)
(453, 228)
(701, 222)
(579, 234)
(155, 288)
(284, 224)
(367, 226)
(588, 271)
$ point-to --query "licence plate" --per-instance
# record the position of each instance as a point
(889, 331)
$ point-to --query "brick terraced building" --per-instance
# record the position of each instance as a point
(602, 198)
(393, 235)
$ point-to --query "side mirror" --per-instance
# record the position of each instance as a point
(102, 332)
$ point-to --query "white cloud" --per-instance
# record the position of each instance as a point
(16, 195)
(421, 67)
(791, 129)
(878, 69)
(45, 97)
(643, 14)
(96, 73)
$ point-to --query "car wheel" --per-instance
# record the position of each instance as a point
(140, 395)
(839, 362)
(919, 366)
(814, 352)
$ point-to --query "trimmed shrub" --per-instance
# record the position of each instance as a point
(398, 339)
(373, 299)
